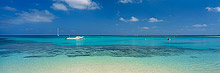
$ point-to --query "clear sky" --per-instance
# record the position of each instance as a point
(110, 17)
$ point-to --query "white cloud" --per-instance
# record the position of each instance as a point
(125, 1)
(59, 6)
(122, 19)
(82, 4)
(33, 16)
(9, 8)
(154, 20)
(200, 25)
(133, 19)
(217, 9)
(130, 1)
(145, 27)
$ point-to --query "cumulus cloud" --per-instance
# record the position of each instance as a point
(78, 4)
(9, 8)
(33, 16)
(59, 6)
(130, 1)
(154, 20)
(200, 25)
(122, 19)
(217, 9)
(145, 27)
(125, 1)
(133, 19)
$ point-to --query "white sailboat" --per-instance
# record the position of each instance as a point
(75, 38)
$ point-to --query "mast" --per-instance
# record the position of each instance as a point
(58, 32)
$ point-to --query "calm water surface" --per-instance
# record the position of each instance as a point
(182, 54)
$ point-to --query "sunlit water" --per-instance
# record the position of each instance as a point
(110, 54)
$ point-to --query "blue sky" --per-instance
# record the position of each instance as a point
(110, 17)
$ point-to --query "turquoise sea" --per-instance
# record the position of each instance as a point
(110, 54)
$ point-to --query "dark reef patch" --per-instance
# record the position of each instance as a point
(194, 57)
(5, 52)
(46, 42)
(4, 41)
(39, 56)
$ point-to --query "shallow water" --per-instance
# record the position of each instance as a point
(110, 54)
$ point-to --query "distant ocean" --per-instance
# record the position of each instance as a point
(110, 54)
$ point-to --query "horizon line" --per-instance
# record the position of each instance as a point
(108, 34)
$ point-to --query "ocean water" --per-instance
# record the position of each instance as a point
(110, 54)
